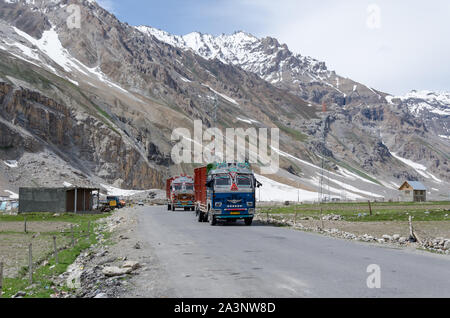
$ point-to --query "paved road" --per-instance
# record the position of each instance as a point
(265, 261)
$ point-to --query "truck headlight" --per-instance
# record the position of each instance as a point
(218, 204)
(249, 203)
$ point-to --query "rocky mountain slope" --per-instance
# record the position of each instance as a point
(98, 105)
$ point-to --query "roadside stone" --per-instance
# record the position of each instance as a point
(111, 271)
(137, 246)
(402, 240)
(19, 294)
(387, 238)
(101, 295)
(396, 237)
(447, 245)
(131, 264)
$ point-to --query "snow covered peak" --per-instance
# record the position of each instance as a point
(418, 102)
(265, 57)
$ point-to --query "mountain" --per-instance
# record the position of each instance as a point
(301, 75)
(432, 107)
(98, 104)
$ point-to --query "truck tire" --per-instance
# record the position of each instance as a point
(212, 220)
(169, 207)
(200, 217)
(173, 207)
(248, 221)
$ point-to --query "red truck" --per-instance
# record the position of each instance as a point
(180, 193)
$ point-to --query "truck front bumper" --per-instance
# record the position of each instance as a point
(242, 215)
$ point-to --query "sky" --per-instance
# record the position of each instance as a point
(393, 46)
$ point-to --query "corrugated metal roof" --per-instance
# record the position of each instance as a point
(416, 185)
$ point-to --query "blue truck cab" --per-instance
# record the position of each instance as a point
(230, 194)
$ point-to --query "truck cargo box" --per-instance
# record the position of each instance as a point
(200, 185)
(168, 185)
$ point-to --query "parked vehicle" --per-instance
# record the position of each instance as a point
(225, 191)
(140, 203)
(114, 201)
(180, 193)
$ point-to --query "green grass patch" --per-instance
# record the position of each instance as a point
(293, 133)
(358, 212)
(43, 275)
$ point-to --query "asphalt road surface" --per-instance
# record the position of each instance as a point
(264, 261)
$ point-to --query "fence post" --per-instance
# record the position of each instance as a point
(370, 208)
(295, 219)
(25, 224)
(267, 217)
(1, 279)
(89, 229)
(321, 217)
(73, 239)
(56, 250)
(30, 263)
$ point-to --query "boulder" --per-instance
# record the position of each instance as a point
(131, 264)
(111, 271)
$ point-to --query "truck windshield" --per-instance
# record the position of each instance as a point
(244, 181)
(177, 187)
(189, 187)
(223, 181)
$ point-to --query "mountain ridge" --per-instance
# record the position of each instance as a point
(139, 88)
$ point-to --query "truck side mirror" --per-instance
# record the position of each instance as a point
(210, 183)
(258, 184)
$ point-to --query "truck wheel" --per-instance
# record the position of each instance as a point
(169, 207)
(193, 209)
(200, 216)
(212, 220)
(248, 221)
(173, 207)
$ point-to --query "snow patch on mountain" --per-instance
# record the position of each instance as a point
(418, 102)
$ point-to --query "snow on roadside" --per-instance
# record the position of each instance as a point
(278, 192)
(13, 195)
(120, 192)
(352, 188)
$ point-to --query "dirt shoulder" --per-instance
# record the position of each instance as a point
(116, 265)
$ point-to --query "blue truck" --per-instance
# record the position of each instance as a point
(225, 191)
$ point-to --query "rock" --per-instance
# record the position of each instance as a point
(101, 295)
(402, 240)
(396, 237)
(381, 241)
(111, 271)
(137, 246)
(447, 245)
(387, 238)
(19, 294)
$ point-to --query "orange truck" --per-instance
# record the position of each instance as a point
(180, 193)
